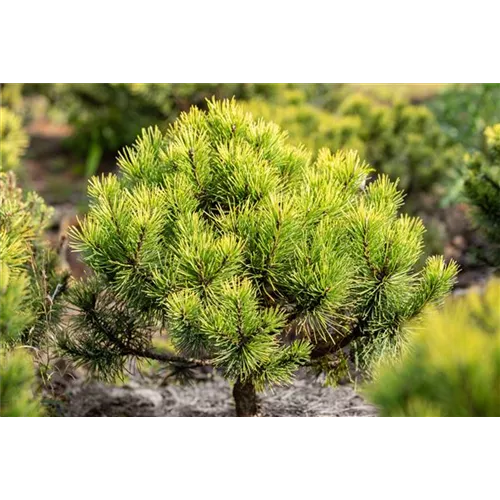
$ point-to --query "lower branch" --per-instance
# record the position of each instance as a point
(326, 348)
(169, 358)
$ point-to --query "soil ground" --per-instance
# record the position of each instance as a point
(146, 397)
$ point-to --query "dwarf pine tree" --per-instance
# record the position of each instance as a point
(254, 259)
(482, 189)
(452, 365)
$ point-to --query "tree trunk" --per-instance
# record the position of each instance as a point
(245, 398)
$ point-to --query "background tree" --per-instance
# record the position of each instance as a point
(254, 259)
(482, 189)
(464, 110)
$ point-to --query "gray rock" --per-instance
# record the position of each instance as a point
(150, 395)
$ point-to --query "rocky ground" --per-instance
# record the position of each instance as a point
(146, 397)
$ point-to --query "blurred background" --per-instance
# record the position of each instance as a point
(417, 133)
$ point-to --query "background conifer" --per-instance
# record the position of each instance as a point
(482, 189)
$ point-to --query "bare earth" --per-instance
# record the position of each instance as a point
(140, 397)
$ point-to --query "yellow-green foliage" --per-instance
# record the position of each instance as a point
(452, 365)
(309, 125)
(17, 379)
(30, 293)
(404, 141)
(233, 238)
(492, 138)
(28, 272)
(400, 139)
(11, 96)
(13, 140)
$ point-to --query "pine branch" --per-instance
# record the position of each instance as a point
(168, 358)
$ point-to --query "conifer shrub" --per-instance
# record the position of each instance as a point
(31, 289)
(482, 190)
(13, 140)
(451, 367)
(17, 382)
(31, 285)
(251, 257)
(393, 92)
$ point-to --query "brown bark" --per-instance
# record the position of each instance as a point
(169, 358)
(324, 348)
(245, 398)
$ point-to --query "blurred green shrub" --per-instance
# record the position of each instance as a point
(306, 124)
(12, 96)
(27, 299)
(17, 382)
(108, 116)
(452, 365)
(13, 140)
(465, 110)
(482, 189)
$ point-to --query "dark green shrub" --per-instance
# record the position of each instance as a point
(108, 116)
(465, 110)
(482, 189)
(252, 258)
